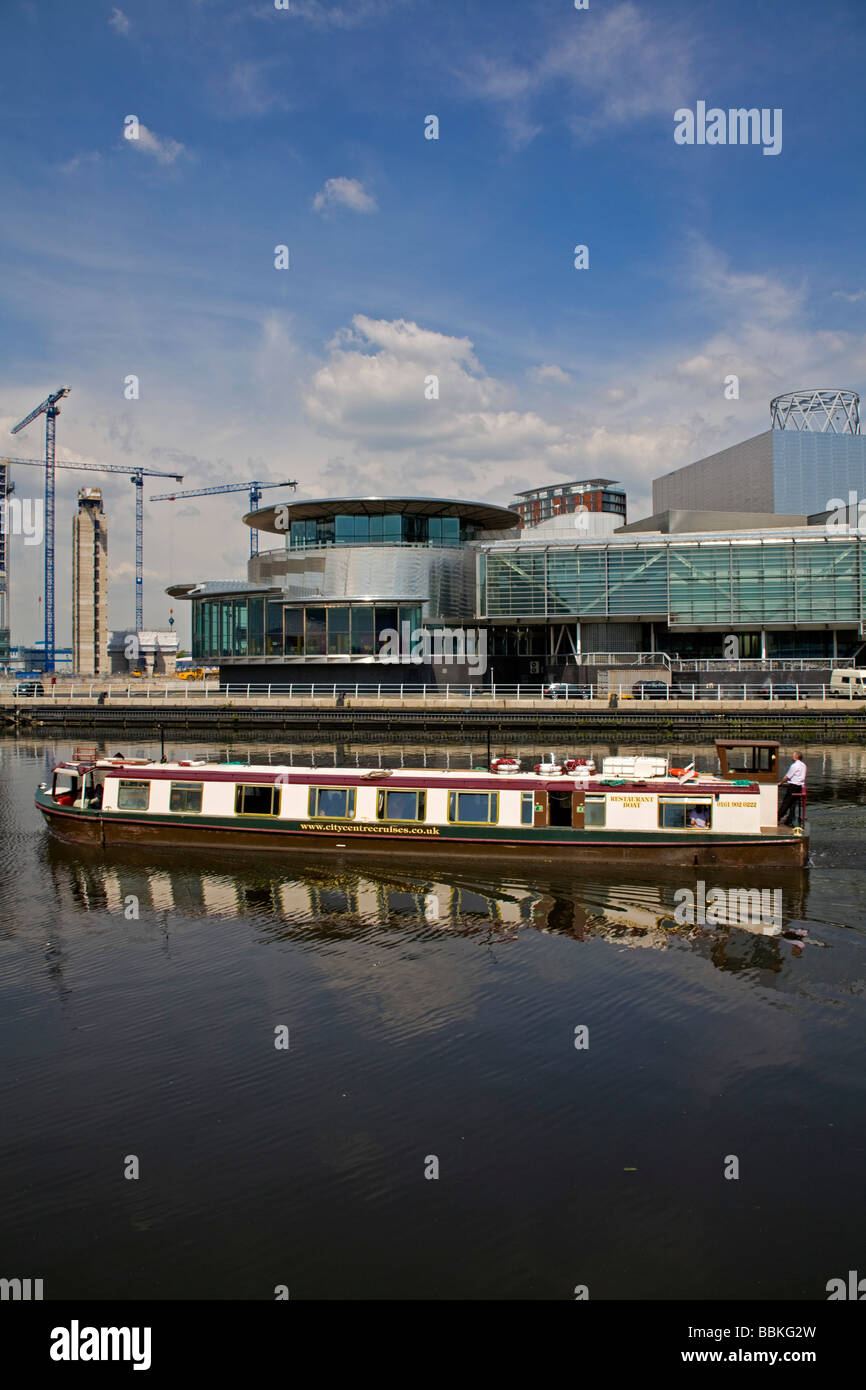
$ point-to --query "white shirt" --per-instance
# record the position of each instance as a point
(796, 773)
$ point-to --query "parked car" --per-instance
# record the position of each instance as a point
(562, 690)
(29, 688)
(651, 690)
(781, 691)
(708, 691)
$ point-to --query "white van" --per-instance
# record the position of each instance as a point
(848, 684)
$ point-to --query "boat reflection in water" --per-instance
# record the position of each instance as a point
(735, 925)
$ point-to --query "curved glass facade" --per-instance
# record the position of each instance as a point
(256, 626)
(391, 529)
(689, 583)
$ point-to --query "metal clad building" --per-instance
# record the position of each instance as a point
(738, 479)
(809, 462)
(347, 571)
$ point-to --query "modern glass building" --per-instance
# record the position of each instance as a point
(346, 572)
(789, 592)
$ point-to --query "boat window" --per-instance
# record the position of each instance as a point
(133, 796)
(393, 804)
(331, 803)
(473, 808)
(185, 796)
(678, 813)
(527, 808)
(254, 800)
(66, 787)
(594, 809)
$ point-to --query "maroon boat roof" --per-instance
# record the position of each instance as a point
(416, 778)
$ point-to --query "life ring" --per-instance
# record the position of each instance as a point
(579, 767)
(505, 765)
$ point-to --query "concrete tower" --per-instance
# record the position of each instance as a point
(90, 585)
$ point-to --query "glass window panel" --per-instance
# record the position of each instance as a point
(412, 616)
(515, 584)
(256, 635)
(434, 530)
(338, 631)
(377, 528)
(185, 796)
(344, 530)
(239, 644)
(315, 641)
(393, 529)
(450, 530)
(637, 580)
(401, 805)
(362, 528)
(256, 800)
(473, 807)
(594, 812)
(362, 630)
(332, 803)
(293, 619)
(685, 815)
(133, 796)
(274, 629)
(527, 808)
(226, 627)
(385, 618)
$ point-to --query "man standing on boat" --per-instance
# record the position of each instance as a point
(794, 781)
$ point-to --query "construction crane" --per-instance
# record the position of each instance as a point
(136, 477)
(50, 409)
(255, 490)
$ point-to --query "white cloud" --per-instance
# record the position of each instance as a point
(343, 192)
(549, 373)
(248, 90)
(620, 68)
(118, 21)
(850, 298)
(160, 147)
(80, 161)
(347, 16)
(371, 392)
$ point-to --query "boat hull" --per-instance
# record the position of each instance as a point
(773, 848)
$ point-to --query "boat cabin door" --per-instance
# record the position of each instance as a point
(559, 807)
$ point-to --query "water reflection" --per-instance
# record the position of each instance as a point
(345, 902)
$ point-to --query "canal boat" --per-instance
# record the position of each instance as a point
(634, 810)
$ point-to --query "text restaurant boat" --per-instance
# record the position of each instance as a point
(636, 809)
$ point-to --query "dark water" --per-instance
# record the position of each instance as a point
(429, 1014)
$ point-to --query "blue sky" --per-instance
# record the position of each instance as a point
(410, 257)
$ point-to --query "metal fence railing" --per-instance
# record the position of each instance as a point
(648, 691)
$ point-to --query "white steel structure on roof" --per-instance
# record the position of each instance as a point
(823, 411)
